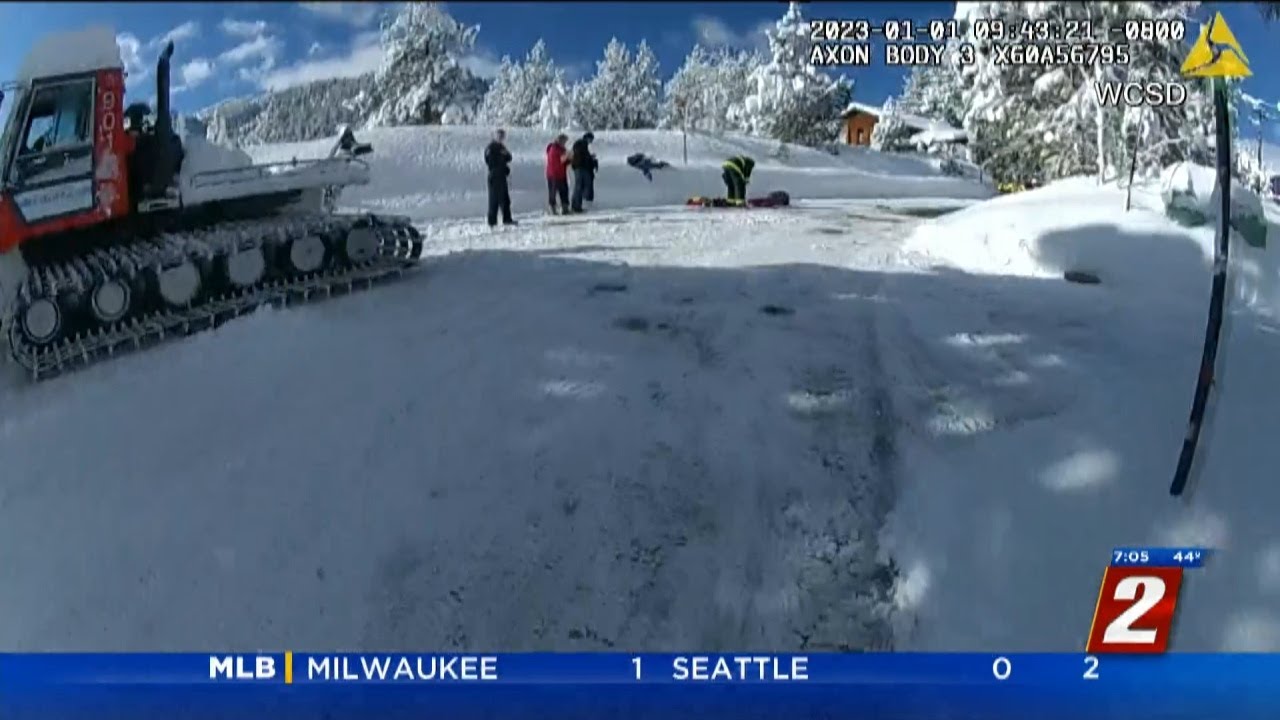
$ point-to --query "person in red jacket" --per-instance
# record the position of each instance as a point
(558, 174)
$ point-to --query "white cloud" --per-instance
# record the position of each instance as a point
(139, 58)
(315, 49)
(256, 54)
(352, 13)
(481, 66)
(713, 32)
(260, 48)
(196, 72)
(131, 54)
(244, 28)
(483, 63)
(365, 55)
(185, 31)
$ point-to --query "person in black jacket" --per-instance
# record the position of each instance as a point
(584, 172)
(646, 165)
(498, 159)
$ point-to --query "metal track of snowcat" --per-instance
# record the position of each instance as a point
(399, 248)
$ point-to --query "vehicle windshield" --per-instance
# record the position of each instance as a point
(60, 116)
(6, 139)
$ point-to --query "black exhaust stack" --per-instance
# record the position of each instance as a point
(167, 148)
(164, 121)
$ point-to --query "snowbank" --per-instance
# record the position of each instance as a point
(1076, 225)
(1190, 194)
(71, 52)
(1049, 417)
(938, 136)
(438, 172)
(1070, 225)
(203, 155)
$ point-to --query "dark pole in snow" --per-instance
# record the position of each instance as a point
(1217, 300)
(684, 137)
(684, 130)
(1133, 170)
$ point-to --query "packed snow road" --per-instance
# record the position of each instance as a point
(643, 429)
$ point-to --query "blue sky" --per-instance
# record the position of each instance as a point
(231, 49)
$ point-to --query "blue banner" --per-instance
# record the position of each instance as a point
(619, 686)
(1187, 557)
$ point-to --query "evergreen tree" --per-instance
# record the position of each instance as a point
(421, 75)
(498, 107)
(685, 94)
(644, 90)
(598, 102)
(709, 90)
(555, 112)
(1047, 121)
(624, 93)
(515, 97)
(933, 92)
(791, 99)
(891, 134)
(305, 112)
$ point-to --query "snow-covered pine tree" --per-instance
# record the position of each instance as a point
(1249, 115)
(536, 75)
(624, 94)
(421, 75)
(644, 90)
(464, 109)
(890, 133)
(997, 99)
(933, 92)
(555, 112)
(1165, 135)
(790, 99)
(1032, 121)
(305, 112)
(708, 91)
(498, 106)
(727, 108)
(599, 102)
(686, 92)
(515, 96)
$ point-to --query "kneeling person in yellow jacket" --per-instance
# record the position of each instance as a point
(737, 174)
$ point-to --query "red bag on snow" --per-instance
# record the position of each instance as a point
(777, 198)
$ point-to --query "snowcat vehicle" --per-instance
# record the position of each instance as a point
(116, 233)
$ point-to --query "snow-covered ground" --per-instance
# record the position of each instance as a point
(641, 428)
(836, 425)
(1042, 421)
(528, 445)
(429, 173)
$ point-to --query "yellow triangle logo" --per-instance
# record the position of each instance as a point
(1217, 53)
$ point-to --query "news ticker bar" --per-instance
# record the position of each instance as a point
(30, 671)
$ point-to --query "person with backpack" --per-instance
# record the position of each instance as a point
(558, 174)
(737, 175)
(584, 171)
